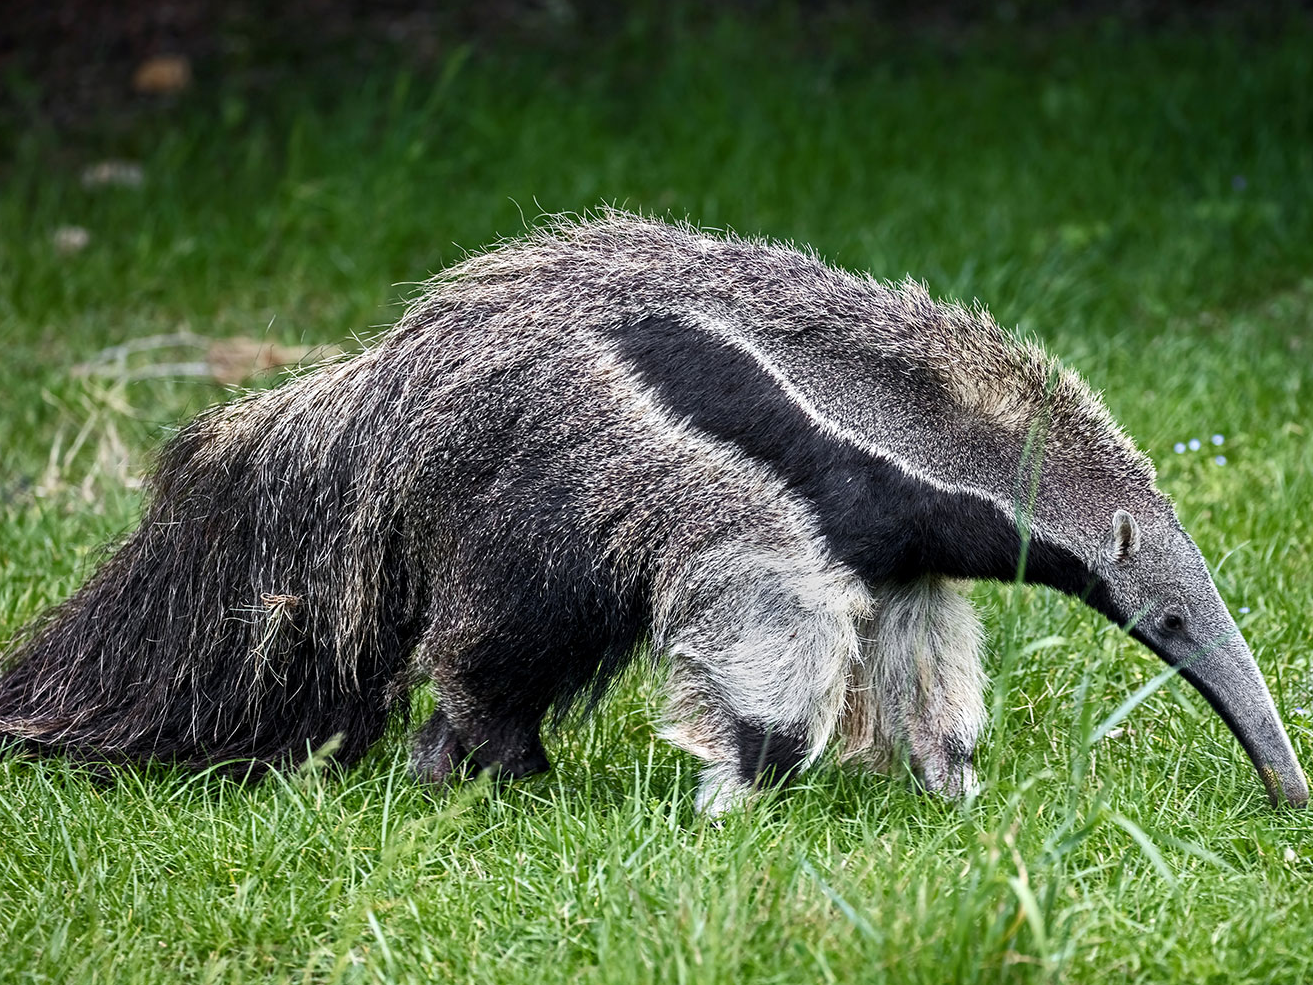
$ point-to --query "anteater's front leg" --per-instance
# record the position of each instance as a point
(917, 689)
(759, 647)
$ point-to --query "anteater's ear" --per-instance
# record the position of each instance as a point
(1124, 538)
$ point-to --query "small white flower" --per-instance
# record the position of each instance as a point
(1179, 448)
(1244, 610)
(1218, 439)
(70, 239)
(1194, 444)
(1290, 855)
(126, 174)
(1220, 459)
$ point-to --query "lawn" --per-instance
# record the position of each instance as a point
(1137, 197)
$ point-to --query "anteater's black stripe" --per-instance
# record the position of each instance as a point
(877, 519)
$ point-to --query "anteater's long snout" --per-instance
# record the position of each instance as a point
(1229, 678)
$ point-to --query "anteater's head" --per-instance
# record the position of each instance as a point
(1152, 579)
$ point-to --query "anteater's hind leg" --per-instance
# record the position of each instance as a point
(493, 698)
(917, 690)
(759, 648)
(437, 753)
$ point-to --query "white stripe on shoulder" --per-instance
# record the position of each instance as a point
(723, 331)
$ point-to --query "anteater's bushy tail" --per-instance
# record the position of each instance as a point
(264, 607)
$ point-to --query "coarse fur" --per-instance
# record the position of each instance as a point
(611, 431)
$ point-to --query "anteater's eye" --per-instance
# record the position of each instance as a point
(1173, 623)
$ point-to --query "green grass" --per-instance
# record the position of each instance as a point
(1140, 201)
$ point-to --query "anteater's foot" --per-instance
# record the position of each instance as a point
(441, 753)
(437, 754)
